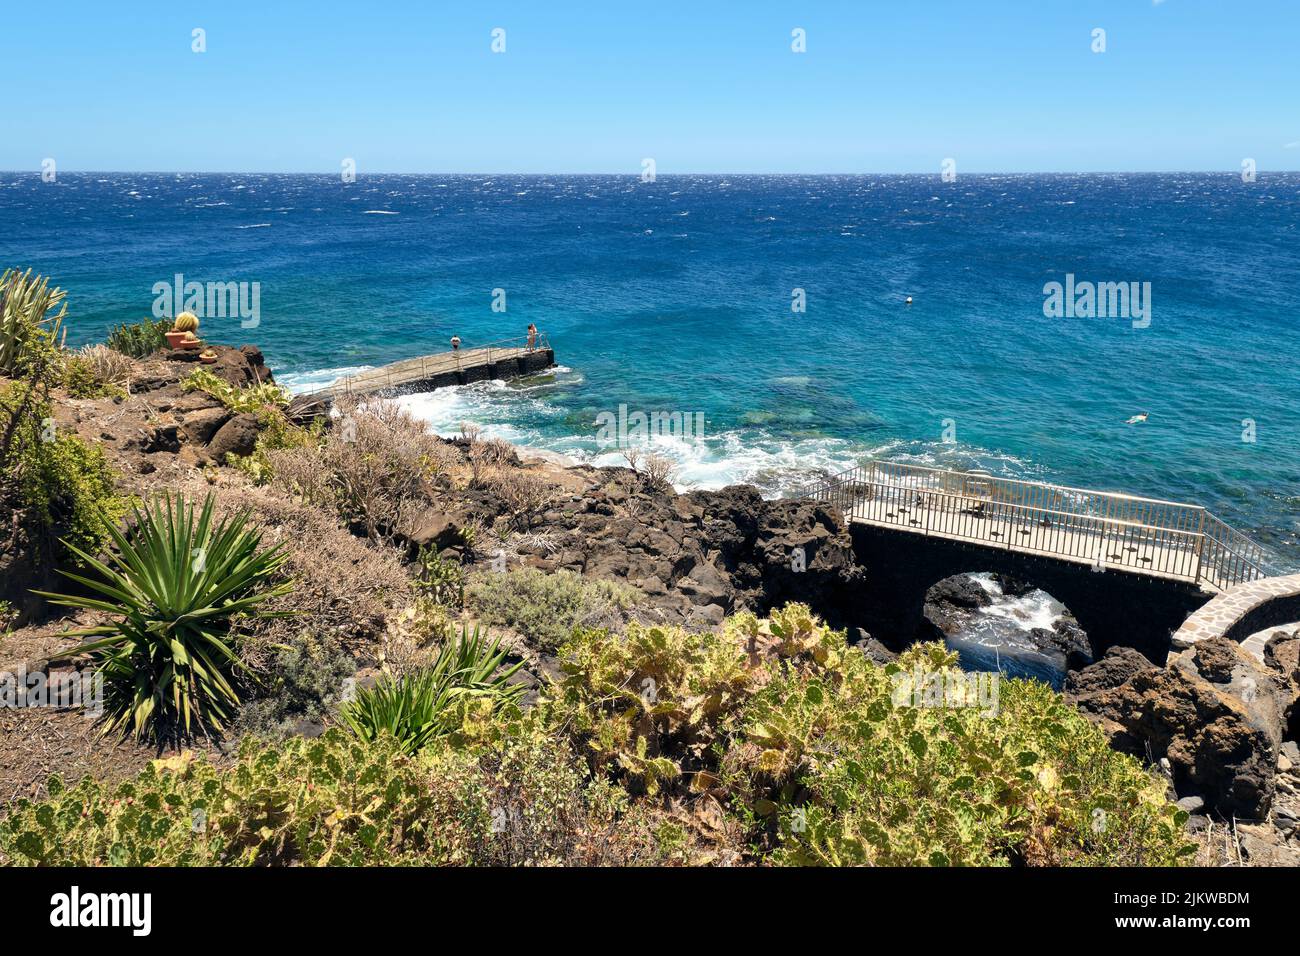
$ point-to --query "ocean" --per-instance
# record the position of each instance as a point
(684, 294)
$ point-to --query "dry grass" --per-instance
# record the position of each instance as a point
(378, 469)
(659, 472)
(524, 495)
(343, 585)
(109, 367)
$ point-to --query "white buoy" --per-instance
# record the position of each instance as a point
(909, 300)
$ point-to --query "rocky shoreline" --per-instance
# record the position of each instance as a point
(1221, 726)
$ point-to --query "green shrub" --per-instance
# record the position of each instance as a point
(139, 339)
(82, 379)
(652, 704)
(252, 398)
(545, 608)
(267, 401)
(431, 702)
(301, 681)
(514, 798)
(315, 802)
(774, 736)
(809, 741)
(441, 579)
(175, 588)
(65, 486)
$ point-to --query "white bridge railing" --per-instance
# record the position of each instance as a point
(1105, 528)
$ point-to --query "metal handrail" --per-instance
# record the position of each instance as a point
(1134, 533)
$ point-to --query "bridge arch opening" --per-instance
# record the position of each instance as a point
(1000, 622)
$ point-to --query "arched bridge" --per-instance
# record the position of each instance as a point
(1129, 568)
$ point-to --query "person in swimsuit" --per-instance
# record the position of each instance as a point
(455, 342)
(532, 337)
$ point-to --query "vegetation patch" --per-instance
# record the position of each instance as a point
(772, 741)
(175, 588)
(267, 402)
(424, 704)
(375, 469)
(298, 684)
(811, 745)
(63, 487)
(545, 608)
(510, 797)
(139, 339)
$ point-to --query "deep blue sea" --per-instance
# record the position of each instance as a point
(676, 295)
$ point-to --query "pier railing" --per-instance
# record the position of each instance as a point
(405, 371)
(1107, 529)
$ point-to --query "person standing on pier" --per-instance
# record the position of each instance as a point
(532, 337)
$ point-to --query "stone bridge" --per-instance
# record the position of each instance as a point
(1130, 569)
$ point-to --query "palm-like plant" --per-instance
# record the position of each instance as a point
(175, 587)
(421, 706)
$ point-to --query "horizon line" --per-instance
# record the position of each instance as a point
(636, 175)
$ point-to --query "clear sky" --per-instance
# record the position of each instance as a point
(702, 86)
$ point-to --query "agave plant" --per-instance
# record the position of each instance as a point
(27, 316)
(424, 705)
(175, 586)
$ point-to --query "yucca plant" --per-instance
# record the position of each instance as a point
(27, 317)
(424, 705)
(175, 586)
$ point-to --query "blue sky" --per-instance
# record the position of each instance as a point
(998, 85)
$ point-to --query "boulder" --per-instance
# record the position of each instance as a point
(199, 426)
(1282, 656)
(960, 591)
(873, 650)
(438, 530)
(1012, 586)
(1118, 666)
(1067, 639)
(773, 552)
(1212, 714)
(240, 367)
(238, 436)
(950, 604)
(154, 439)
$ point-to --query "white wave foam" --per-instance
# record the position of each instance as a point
(521, 413)
(1033, 609)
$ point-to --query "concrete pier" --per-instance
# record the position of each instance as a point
(425, 373)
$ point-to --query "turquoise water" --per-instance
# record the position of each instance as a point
(676, 296)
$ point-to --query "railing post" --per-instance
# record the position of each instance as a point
(1200, 544)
